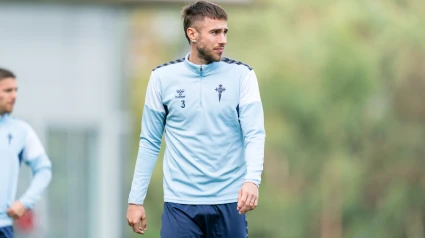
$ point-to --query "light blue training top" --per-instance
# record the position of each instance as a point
(19, 143)
(214, 131)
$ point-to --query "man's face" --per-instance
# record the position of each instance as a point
(8, 90)
(211, 39)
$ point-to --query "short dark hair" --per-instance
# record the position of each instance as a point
(4, 73)
(198, 11)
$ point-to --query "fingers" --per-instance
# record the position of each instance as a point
(247, 198)
(137, 229)
(249, 204)
(12, 213)
(16, 211)
(135, 216)
(135, 225)
(241, 200)
(144, 224)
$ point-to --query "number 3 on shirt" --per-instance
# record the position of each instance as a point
(183, 105)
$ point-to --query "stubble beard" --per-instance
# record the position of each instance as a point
(207, 55)
(6, 110)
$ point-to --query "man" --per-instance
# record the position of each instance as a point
(211, 111)
(18, 143)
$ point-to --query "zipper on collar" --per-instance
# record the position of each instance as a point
(200, 96)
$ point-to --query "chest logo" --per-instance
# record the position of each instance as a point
(220, 90)
(9, 137)
(180, 93)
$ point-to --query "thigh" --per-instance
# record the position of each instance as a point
(180, 221)
(6, 232)
(227, 222)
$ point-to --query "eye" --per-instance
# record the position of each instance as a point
(9, 90)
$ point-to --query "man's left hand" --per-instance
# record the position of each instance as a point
(247, 198)
(16, 211)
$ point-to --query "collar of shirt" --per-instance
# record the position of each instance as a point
(206, 68)
(4, 117)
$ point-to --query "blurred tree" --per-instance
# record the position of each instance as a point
(342, 85)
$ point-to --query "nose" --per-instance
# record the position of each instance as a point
(223, 39)
(13, 95)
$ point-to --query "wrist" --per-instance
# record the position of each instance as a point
(24, 204)
(252, 183)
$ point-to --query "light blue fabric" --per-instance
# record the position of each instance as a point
(19, 144)
(214, 131)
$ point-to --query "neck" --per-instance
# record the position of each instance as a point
(195, 58)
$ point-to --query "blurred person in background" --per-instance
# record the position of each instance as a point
(18, 143)
(211, 110)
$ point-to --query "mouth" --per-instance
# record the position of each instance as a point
(219, 49)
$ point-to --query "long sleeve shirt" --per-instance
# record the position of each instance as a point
(213, 120)
(19, 144)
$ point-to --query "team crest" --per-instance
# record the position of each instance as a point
(220, 89)
(9, 138)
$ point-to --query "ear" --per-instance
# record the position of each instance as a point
(192, 33)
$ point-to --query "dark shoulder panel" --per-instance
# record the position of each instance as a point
(230, 61)
(169, 63)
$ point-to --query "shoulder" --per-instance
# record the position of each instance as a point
(235, 63)
(21, 124)
(169, 65)
(19, 127)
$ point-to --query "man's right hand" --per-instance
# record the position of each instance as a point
(135, 215)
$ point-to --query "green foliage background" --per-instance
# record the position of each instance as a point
(342, 84)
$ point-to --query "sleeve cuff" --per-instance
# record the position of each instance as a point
(27, 204)
(254, 182)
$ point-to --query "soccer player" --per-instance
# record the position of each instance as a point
(210, 109)
(18, 143)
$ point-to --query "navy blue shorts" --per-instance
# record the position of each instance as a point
(206, 221)
(6, 232)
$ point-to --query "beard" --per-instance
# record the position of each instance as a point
(6, 110)
(207, 54)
